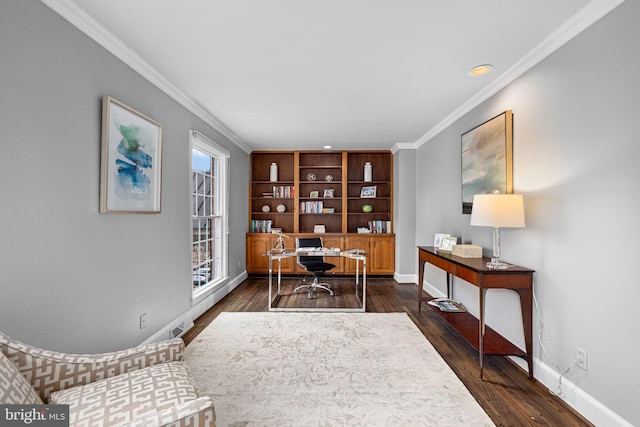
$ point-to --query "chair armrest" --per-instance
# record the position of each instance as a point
(50, 371)
(199, 412)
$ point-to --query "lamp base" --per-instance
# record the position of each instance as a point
(497, 264)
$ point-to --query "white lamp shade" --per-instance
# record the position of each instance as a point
(498, 210)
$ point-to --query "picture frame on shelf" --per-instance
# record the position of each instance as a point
(368, 192)
(487, 159)
(130, 161)
(328, 193)
(314, 194)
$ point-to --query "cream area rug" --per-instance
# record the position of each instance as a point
(327, 369)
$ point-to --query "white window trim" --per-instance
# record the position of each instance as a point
(202, 142)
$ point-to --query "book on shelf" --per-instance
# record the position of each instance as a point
(448, 305)
(261, 225)
(380, 226)
(283, 191)
(311, 207)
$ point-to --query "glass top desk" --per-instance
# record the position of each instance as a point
(278, 255)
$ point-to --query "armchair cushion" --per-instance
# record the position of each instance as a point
(14, 388)
(195, 413)
(50, 371)
(129, 397)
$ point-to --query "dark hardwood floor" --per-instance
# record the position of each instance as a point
(505, 393)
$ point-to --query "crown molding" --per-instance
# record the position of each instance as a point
(78, 17)
(403, 146)
(573, 26)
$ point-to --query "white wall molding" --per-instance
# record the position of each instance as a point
(405, 278)
(82, 20)
(573, 26)
(198, 309)
(403, 146)
(588, 406)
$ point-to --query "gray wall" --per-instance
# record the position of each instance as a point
(404, 213)
(576, 156)
(72, 279)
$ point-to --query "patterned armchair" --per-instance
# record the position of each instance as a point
(149, 385)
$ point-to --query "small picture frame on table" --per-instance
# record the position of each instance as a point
(447, 243)
(328, 193)
(314, 194)
(437, 240)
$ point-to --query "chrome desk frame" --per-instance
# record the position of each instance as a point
(356, 254)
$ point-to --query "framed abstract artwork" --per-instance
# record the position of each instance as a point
(487, 159)
(131, 160)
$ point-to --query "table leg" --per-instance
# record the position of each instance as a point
(526, 307)
(270, 281)
(364, 285)
(357, 279)
(279, 276)
(448, 285)
(481, 330)
(421, 263)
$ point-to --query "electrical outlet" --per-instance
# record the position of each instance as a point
(581, 358)
(143, 320)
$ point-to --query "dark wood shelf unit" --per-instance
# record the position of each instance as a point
(260, 184)
(487, 341)
(347, 179)
(382, 204)
(467, 326)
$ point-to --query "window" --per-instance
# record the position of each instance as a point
(209, 213)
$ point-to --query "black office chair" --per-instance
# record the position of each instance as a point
(313, 264)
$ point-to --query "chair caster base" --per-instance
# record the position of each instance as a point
(311, 288)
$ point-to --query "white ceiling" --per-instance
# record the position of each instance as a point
(354, 74)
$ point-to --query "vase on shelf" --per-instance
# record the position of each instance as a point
(367, 172)
(273, 173)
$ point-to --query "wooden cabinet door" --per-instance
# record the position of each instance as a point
(334, 242)
(382, 255)
(288, 264)
(260, 244)
(356, 242)
(257, 246)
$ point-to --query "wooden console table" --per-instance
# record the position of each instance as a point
(474, 270)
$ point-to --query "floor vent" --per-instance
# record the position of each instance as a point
(181, 328)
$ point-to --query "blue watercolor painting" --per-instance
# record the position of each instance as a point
(132, 182)
(131, 163)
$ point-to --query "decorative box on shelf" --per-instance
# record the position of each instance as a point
(467, 251)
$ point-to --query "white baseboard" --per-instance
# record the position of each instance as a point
(405, 278)
(585, 404)
(201, 305)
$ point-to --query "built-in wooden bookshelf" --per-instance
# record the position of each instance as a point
(322, 188)
(263, 203)
(320, 183)
(382, 169)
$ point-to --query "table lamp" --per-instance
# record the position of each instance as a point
(497, 210)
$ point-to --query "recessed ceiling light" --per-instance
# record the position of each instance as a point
(327, 147)
(480, 70)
